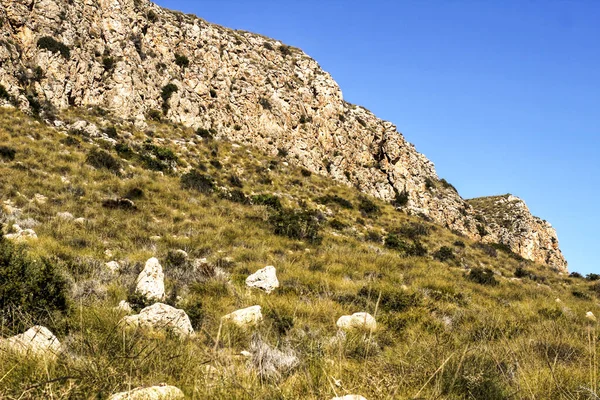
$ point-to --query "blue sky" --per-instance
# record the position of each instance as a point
(503, 96)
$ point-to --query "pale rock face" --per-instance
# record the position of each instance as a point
(265, 279)
(245, 317)
(161, 317)
(150, 393)
(276, 99)
(21, 234)
(151, 281)
(112, 266)
(359, 320)
(37, 341)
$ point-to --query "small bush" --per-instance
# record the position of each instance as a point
(414, 230)
(305, 173)
(134, 194)
(166, 93)
(392, 299)
(204, 133)
(51, 44)
(194, 180)
(285, 50)
(268, 200)
(152, 17)
(368, 207)
(483, 276)
(236, 196)
(487, 249)
(335, 199)
(29, 287)
(213, 93)
(297, 224)
(265, 103)
(108, 63)
(119, 203)
(235, 181)
(576, 275)
(103, 160)
(401, 199)
(592, 277)
(281, 322)
(447, 185)
(154, 115)
(444, 253)
(521, 272)
(7, 153)
(459, 243)
(394, 242)
(181, 60)
(337, 224)
(4, 93)
(268, 46)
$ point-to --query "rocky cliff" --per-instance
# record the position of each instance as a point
(140, 61)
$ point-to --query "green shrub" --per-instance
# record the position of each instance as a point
(414, 230)
(576, 275)
(589, 277)
(444, 253)
(337, 224)
(335, 199)
(305, 173)
(268, 46)
(195, 180)
(268, 200)
(7, 153)
(483, 276)
(297, 224)
(487, 249)
(152, 17)
(392, 299)
(447, 185)
(478, 376)
(29, 287)
(204, 133)
(101, 159)
(108, 63)
(166, 93)
(459, 243)
(154, 115)
(368, 207)
(51, 44)
(181, 60)
(285, 50)
(4, 93)
(416, 249)
(265, 103)
(235, 181)
(401, 199)
(213, 93)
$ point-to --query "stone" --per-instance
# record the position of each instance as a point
(161, 317)
(150, 393)
(40, 199)
(265, 279)
(125, 306)
(21, 234)
(245, 316)
(37, 341)
(350, 397)
(65, 216)
(590, 315)
(112, 266)
(151, 281)
(359, 320)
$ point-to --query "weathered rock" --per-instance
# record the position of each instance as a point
(151, 281)
(125, 306)
(248, 88)
(150, 393)
(359, 320)
(161, 317)
(37, 341)
(21, 234)
(65, 216)
(265, 279)
(245, 316)
(112, 266)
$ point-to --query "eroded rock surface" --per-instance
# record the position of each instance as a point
(161, 317)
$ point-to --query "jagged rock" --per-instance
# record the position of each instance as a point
(284, 101)
(37, 341)
(125, 306)
(150, 393)
(112, 266)
(350, 397)
(161, 317)
(21, 234)
(151, 281)
(245, 316)
(265, 279)
(359, 320)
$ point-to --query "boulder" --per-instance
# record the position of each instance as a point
(125, 306)
(245, 316)
(37, 341)
(359, 320)
(161, 317)
(151, 281)
(112, 266)
(265, 279)
(150, 393)
(21, 234)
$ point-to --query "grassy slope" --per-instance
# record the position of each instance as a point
(440, 335)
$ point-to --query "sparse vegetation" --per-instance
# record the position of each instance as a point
(166, 93)
(182, 61)
(53, 45)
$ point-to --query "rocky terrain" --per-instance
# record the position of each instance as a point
(140, 62)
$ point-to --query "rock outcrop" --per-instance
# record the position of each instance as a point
(37, 341)
(265, 279)
(359, 320)
(507, 220)
(245, 317)
(135, 59)
(151, 281)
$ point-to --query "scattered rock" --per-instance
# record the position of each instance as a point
(112, 266)
(245, 316)
(21, 234)
(590, 315)
(265, 279)
(40, 199)
(150, 393)
(161, 317)
(37, 341)
(151, 281)
(359, 320)
(125, 306)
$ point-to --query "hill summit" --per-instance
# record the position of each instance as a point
(139, 61)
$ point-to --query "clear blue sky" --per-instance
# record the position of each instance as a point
(503, 96)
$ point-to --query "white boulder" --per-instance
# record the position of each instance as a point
(245, 316)
(112, 266)
(161, 317)
(37, 341)
(265, 279)
(151, 281)
(359, 320)
(21, 234)
(150, 393)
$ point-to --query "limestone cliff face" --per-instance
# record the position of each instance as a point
(242, 86)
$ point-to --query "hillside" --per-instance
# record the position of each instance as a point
(455, 318)
(142, 62)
